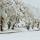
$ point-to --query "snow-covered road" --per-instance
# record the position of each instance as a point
(21, 36)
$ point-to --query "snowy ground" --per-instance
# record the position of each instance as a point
(21, 36)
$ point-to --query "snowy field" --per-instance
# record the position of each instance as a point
(21, 36)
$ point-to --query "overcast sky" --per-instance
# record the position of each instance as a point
(36, 5)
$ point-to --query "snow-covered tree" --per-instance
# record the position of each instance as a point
(15, 12)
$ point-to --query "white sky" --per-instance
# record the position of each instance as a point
(36, 5)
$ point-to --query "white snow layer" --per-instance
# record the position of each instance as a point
(21, 36)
